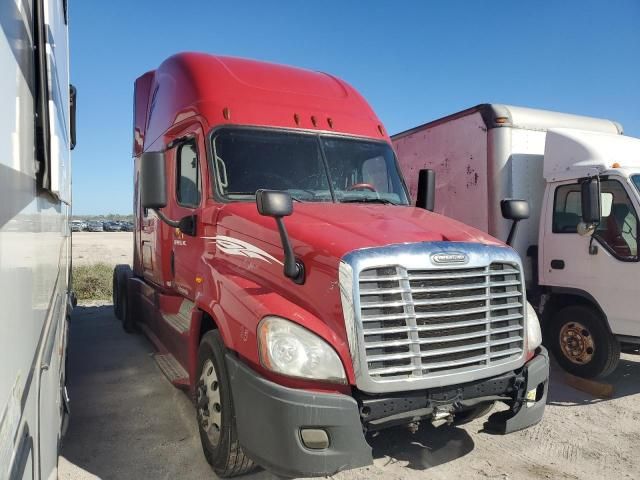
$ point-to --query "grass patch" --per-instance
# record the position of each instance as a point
(93, 282)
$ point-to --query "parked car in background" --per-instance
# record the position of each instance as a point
(127, 227)
(95, 227)
(77, 225)
(111, 226)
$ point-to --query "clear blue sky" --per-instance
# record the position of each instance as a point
(413, 61)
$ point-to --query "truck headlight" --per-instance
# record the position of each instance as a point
(289, 349)
(534, 335)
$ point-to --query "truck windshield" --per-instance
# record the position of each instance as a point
(312, 168)
(636, 181)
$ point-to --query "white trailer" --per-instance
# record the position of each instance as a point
(36, 135)
(582, 276)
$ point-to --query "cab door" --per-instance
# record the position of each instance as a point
(605, 266)
(187, 183)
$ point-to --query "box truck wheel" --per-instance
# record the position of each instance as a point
(121, 276)
(215, 411)
(582, 343)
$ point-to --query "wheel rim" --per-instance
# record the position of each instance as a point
(209, 405)
(577, 343)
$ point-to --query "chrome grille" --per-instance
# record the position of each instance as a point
(421, 323)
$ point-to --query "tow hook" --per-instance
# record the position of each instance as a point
(441, 416)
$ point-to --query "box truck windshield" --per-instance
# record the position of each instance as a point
(312, 168)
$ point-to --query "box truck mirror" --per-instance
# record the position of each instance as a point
(590, 196)
(426, 189)
(277, 204)
(515, 210)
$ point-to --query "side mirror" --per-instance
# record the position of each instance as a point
(152, 180)
(590, 197)
(274, 203)
(515, 210)
(277, 204)
(426, 189)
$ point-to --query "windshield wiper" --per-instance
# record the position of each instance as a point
(369, 200)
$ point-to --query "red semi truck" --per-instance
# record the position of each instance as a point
(297, 338)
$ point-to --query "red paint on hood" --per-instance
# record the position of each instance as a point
(340, 228)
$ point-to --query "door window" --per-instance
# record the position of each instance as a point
(188, 175)
(618, 229)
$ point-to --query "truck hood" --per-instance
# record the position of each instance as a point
(249, 255)
(336, 229)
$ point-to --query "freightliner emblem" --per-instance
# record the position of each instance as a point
(451, 257)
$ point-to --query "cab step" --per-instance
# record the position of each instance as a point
(180, 321)
(172, 369)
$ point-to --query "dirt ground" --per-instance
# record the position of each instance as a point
(102, 247)
(128, 422)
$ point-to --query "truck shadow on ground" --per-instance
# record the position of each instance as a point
(624, 381)
(426, 448)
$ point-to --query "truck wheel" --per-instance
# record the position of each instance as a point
(467, 416)
(582, 343)
(121, 275)
(215, 411)
(115, 288)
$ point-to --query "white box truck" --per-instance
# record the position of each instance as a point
(37, 132)
(579, 248)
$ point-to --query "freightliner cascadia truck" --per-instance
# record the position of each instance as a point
(290, 286)
(581, 178)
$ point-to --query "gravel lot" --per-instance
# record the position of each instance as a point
(128, 422)
(102, 247)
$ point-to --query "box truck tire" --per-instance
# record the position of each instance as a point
(215, 411)
(118, 273)
(582, 343)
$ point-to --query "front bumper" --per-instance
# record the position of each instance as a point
(270, 417)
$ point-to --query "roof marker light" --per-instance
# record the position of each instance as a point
(226, 113)
(314, 121)
(330, 122)
(616, 165)
(380, 130)
(501, 119)
(296, 118)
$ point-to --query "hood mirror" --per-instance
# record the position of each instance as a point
(278, 204)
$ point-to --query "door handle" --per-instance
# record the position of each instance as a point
(557, 264)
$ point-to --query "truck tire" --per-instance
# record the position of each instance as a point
(115, 288)
(582, 343)
(121, 276)
(215, 411)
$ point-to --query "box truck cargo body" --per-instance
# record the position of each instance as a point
(491, 152)
(36, 136)
(299, 335)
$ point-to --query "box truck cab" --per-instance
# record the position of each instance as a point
(290, 286)
(580, 176)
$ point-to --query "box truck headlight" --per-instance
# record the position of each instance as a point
(289, 349)
(534, 335)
